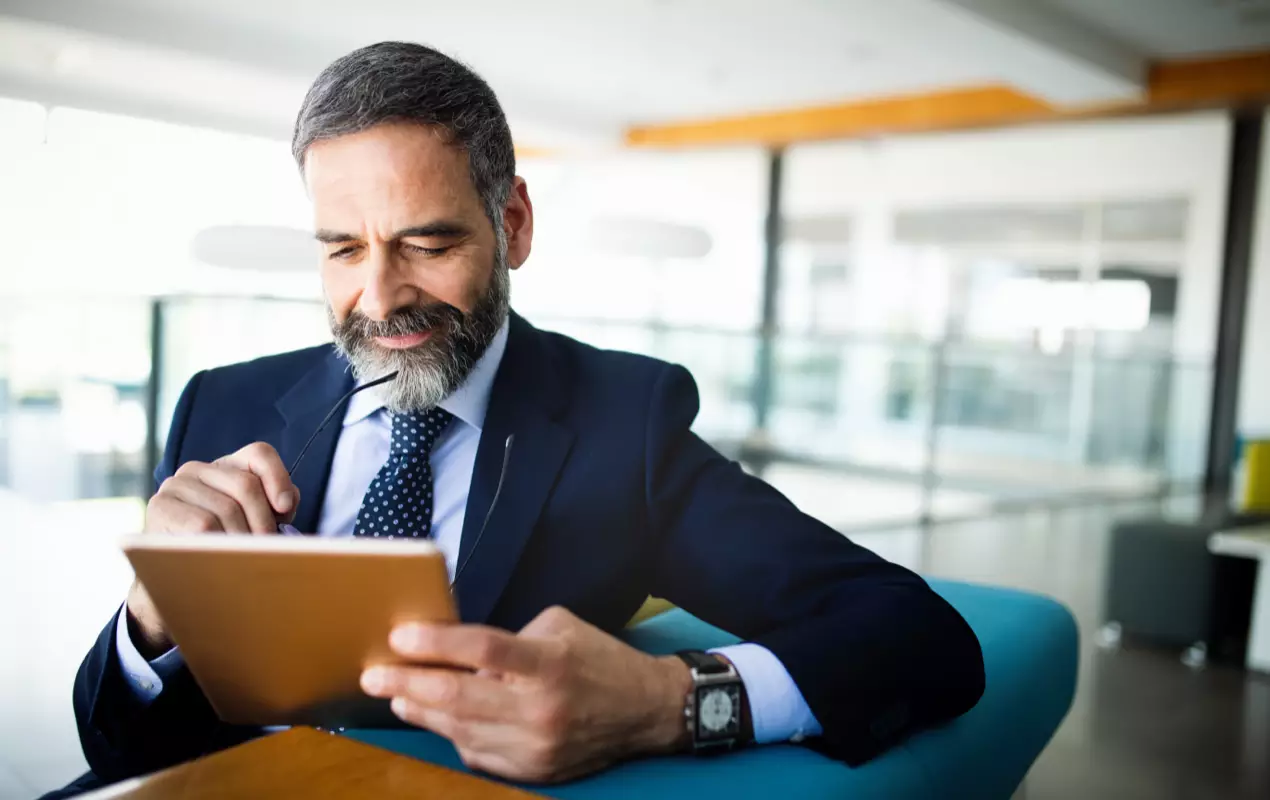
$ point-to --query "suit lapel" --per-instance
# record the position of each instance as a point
(525, 403)
(302, 410)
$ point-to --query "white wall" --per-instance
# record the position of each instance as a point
(107, 206)
(721, 194)
(1254, 377)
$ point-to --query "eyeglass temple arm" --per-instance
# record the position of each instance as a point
(331, 414)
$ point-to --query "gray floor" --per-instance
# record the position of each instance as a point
(1143, 725)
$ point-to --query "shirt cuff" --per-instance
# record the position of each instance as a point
(144, 678)
(777, 708)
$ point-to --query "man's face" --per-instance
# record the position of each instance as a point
(414, 273)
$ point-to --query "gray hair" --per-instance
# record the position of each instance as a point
(405, 82)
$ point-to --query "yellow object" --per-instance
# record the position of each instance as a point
(1257, 476)
(651, 608)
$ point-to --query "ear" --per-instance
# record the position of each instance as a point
(518, 223)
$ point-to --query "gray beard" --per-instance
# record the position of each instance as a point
(432, 371)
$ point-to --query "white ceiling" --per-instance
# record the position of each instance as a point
(1177, 28)
(581, 71)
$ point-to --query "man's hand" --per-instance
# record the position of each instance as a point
(557, 700)
(248, 491)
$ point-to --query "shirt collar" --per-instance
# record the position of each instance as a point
(468, 402)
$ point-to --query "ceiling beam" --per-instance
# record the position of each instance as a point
(1229, 80)
(1171, 86)
(1041, 51)
(953, 108)
(107, 101)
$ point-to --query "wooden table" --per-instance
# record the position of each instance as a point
(305, 763)
(1252, 542)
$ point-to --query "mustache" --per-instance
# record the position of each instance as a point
(403, 322)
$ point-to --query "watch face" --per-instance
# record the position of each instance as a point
(718, 711)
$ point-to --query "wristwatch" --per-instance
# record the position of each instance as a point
(716, 711)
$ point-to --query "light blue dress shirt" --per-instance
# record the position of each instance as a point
(777, 708)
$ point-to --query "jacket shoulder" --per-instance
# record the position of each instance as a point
(266, 375)
(589, 364)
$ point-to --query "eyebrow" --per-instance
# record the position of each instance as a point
(444, 229)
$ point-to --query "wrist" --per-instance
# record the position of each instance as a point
(145, 627)
(665, 730)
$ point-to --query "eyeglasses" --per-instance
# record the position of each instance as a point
(291, 530)
(339, 404)
(331, 415)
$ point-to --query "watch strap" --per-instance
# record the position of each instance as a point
(703, 663)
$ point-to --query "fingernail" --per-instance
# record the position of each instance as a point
(374, 680)
(407, 637)
(399, 706)
(286, 501)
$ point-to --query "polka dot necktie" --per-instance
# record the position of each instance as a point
(399, 500)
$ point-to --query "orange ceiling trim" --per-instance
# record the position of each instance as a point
(1172, 85)
(1216, 81)
(531, 152)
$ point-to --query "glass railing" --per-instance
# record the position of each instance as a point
(1019, 428)
(867, 430)
(721, 362)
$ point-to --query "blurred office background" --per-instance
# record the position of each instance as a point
(962, 279)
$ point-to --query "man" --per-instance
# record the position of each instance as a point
(604, 496)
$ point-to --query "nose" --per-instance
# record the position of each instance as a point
(386, 288)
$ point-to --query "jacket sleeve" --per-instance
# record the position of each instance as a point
(875, 652)
(121, 736)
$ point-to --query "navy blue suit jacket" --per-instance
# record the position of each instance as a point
(608, 498)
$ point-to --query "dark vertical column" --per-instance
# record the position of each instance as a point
(1241, 207)
(152, 397)
(765, 364)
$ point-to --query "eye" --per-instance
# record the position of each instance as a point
(342, 253)
(426, 251)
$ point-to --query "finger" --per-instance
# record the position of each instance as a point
(247, 490)
(263, 461)
(482, 745)
(191, 491)
(472, 646)
(499, 749)
(502, 765)
(437, 721)
(167, 513)
(464, 695)
(490, 763)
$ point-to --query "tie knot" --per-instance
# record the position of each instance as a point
(417, 431)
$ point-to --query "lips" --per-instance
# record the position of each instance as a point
(404, 342)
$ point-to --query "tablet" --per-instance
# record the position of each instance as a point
(277, 629)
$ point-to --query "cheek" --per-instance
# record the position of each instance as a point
(457, 282)
(454, 289)
(341, 290)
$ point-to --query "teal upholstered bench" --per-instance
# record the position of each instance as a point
(1030, 653)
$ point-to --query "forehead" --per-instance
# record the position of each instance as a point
(407, 167)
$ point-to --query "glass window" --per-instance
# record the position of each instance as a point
(655, 253)
(1045, 297)
(73, 379)
(672, 238)
(108, 207)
